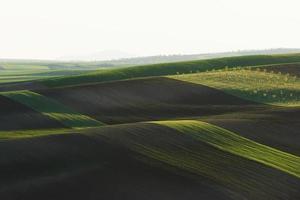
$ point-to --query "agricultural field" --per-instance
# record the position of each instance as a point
(216, 129)
(13, 71)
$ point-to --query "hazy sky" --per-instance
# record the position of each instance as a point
(47, 29)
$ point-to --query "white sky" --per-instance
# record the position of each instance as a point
(47, 29)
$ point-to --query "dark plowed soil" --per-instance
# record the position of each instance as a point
(146, 99)
(92, 166)
(278, 128)
(15, 116)
(81, 167)
(293, 69)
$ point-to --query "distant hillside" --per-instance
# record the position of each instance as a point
(179, 57)
(170, 69)
(77, 63)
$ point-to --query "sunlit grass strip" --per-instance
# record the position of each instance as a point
(52, 109)
(259, 86)
(233, 143)
(8, 135)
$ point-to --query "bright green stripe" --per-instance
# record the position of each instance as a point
(52, 109)
(233, 143)
(8, 135)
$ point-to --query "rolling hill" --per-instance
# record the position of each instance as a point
(171, 69)
(223, 128)
(185, 148)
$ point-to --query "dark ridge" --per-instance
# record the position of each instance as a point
(147, 99)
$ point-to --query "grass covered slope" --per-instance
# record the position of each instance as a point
(255, 85)
(170, 69)
(52, 109)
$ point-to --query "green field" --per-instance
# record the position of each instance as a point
(225, 129)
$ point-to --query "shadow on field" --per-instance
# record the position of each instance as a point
(81, 167)
(147, 99)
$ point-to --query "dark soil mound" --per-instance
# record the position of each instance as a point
(146, 99)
